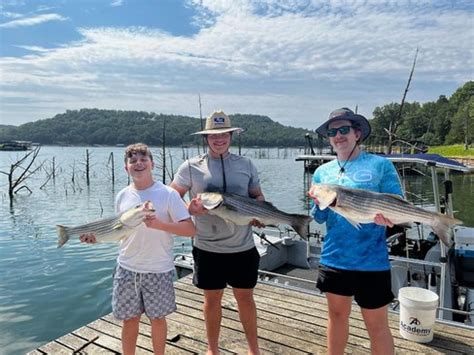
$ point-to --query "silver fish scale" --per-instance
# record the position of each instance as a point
(97, 227)
(361, 199)
(255, 209)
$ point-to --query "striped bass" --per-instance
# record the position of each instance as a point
(361, 206)
(109, 229)
(239, 210)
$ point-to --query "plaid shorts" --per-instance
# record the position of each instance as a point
(135, 293)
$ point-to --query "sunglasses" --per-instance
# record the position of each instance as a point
(332, 132)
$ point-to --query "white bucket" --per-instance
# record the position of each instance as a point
(417, 313)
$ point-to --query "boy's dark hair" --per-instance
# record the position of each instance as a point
(137, 148)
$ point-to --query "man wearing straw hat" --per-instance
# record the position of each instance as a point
(222, 255)
(354, 262)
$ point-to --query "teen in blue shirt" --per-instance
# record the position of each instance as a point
(354, 262)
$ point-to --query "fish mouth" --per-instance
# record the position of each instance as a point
(212, 206)
(212, 201)
(148, 206)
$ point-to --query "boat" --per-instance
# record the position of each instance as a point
(15, 145)
(417, 257)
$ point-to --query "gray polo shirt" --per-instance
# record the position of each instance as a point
(204, 174)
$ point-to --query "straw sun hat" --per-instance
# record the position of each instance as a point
(217, 123)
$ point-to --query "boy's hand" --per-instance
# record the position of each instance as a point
(196, 208)
(88, 238)
(151, 221)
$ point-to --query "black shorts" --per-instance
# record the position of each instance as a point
(371, 289)
(214, 271)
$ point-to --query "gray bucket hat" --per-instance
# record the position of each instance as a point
(218, 122)
(347, 115)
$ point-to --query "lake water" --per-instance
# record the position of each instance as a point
(46, 292)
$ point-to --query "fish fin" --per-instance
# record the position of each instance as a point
(300, 225)
(267, 204)
(395, 196)
(324, 205)
(354, 223)
(442, 227)
(344, 212)
(231, 208)
(63, 237)
(118, 226)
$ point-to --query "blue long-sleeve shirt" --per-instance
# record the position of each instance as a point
(346, 247)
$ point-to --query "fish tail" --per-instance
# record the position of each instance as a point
(300, 225)
(63, 236)
(442, 227)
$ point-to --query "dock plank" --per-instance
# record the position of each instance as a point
(289, 322)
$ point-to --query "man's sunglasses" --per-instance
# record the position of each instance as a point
(332, 132)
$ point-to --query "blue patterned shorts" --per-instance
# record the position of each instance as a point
(136, 293)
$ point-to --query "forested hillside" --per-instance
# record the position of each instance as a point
(445, 121)
(111, 127)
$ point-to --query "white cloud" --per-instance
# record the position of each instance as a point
(33, 21)
(260, 57)
(116, 3)
(34, 49)
(8, 14)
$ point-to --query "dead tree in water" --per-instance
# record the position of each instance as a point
(396, 121)
(15, 184)
(111, 161)
(50, 174)
(88, 167)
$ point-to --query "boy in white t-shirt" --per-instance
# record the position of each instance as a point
(143, 279)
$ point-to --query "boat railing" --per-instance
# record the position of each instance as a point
(416, 261)
(276, 278)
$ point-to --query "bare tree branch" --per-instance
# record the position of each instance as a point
(396, 121)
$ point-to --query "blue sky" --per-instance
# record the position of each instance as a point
(294, 60)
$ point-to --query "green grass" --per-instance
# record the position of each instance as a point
(456, 150)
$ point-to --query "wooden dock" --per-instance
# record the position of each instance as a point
(289, 322)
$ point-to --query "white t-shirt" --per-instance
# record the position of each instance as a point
(150, 250)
